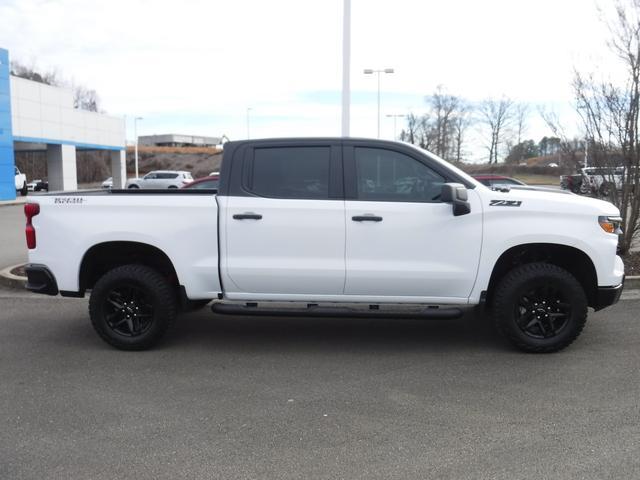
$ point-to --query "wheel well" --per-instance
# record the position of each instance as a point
(573, 260)
(103, 257)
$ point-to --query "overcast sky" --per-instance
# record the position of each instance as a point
(194, 66)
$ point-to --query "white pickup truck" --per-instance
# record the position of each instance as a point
(329, 227)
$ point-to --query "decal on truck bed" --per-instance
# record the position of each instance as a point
(505, 203)
(66, 200)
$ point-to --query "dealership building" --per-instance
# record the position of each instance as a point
(35, 116)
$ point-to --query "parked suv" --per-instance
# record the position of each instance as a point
(161, 179)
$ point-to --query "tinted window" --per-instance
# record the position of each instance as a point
(385, 175)
(166, 176)
(150, 176)
(291, 172)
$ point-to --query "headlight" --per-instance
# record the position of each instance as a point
(611, 224)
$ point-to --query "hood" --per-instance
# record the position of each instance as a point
(550, 200)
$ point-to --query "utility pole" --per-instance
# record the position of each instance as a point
(346, 67)
(395, 116)
(135, 134)
(370, 71)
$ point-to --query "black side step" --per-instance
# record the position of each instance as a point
(316, 311)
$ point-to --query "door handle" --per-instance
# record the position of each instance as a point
(247, 216)
(366, 218)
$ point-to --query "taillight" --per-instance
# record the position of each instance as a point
(30, 211)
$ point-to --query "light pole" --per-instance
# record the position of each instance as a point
(248, 130)
(135, 134)
(370, 71)
(346, 67)
(395, 116)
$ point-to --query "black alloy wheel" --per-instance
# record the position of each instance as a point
(539, 307)
(128, 311)
(132, 306)
(542, 312)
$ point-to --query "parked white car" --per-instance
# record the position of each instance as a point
(21, 183)
(108, 183)
(161, 179)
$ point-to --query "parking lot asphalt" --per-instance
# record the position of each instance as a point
(236, 397)
(13, 249)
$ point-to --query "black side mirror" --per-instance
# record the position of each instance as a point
(456, 194)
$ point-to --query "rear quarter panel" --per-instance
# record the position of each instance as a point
(184, 227)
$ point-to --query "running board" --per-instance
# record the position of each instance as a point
(316, 311)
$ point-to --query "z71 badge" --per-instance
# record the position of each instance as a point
(505, 203)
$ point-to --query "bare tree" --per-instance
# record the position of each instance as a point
(461, 122)
(611, 113)
(443, 108)
(521, 117)
(35, 74)
(497, 117)
(85, 98)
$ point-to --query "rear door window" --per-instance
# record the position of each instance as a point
(290, 172)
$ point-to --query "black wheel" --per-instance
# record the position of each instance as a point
(539, 307)
(133, 186)
(24, 191)
(172, 186)
(132, 306)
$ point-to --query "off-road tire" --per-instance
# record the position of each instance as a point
(515, 284)
(157, 291)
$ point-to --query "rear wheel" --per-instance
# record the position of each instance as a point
(539, 307)
(24, 190)
(132, 307)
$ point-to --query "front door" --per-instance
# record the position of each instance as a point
(284, 236)
(402, 241)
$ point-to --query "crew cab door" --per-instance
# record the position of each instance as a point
(282, 230)
(402, 241)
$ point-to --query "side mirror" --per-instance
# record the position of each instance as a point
(456, 194)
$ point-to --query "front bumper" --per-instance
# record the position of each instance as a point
(607, 296)
(40, 279)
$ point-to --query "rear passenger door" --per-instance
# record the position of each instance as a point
(282, 229)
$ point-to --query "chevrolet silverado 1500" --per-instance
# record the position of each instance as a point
(332, 226)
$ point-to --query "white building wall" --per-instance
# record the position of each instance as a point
(44, 113)
(61, 167)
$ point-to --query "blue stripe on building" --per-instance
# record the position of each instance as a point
(7, 161)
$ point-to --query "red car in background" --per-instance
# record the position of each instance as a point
(205, 183)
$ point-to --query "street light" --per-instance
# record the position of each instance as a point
(395, 116)
(135, 134)
(370, 71)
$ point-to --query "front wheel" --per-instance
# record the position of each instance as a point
(24, 191)
(132, 307)
(539, 307)
(133, 186)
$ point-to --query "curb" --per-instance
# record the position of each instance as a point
(632, 283)
(10, 280)
(13, 203)
(7, 279)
